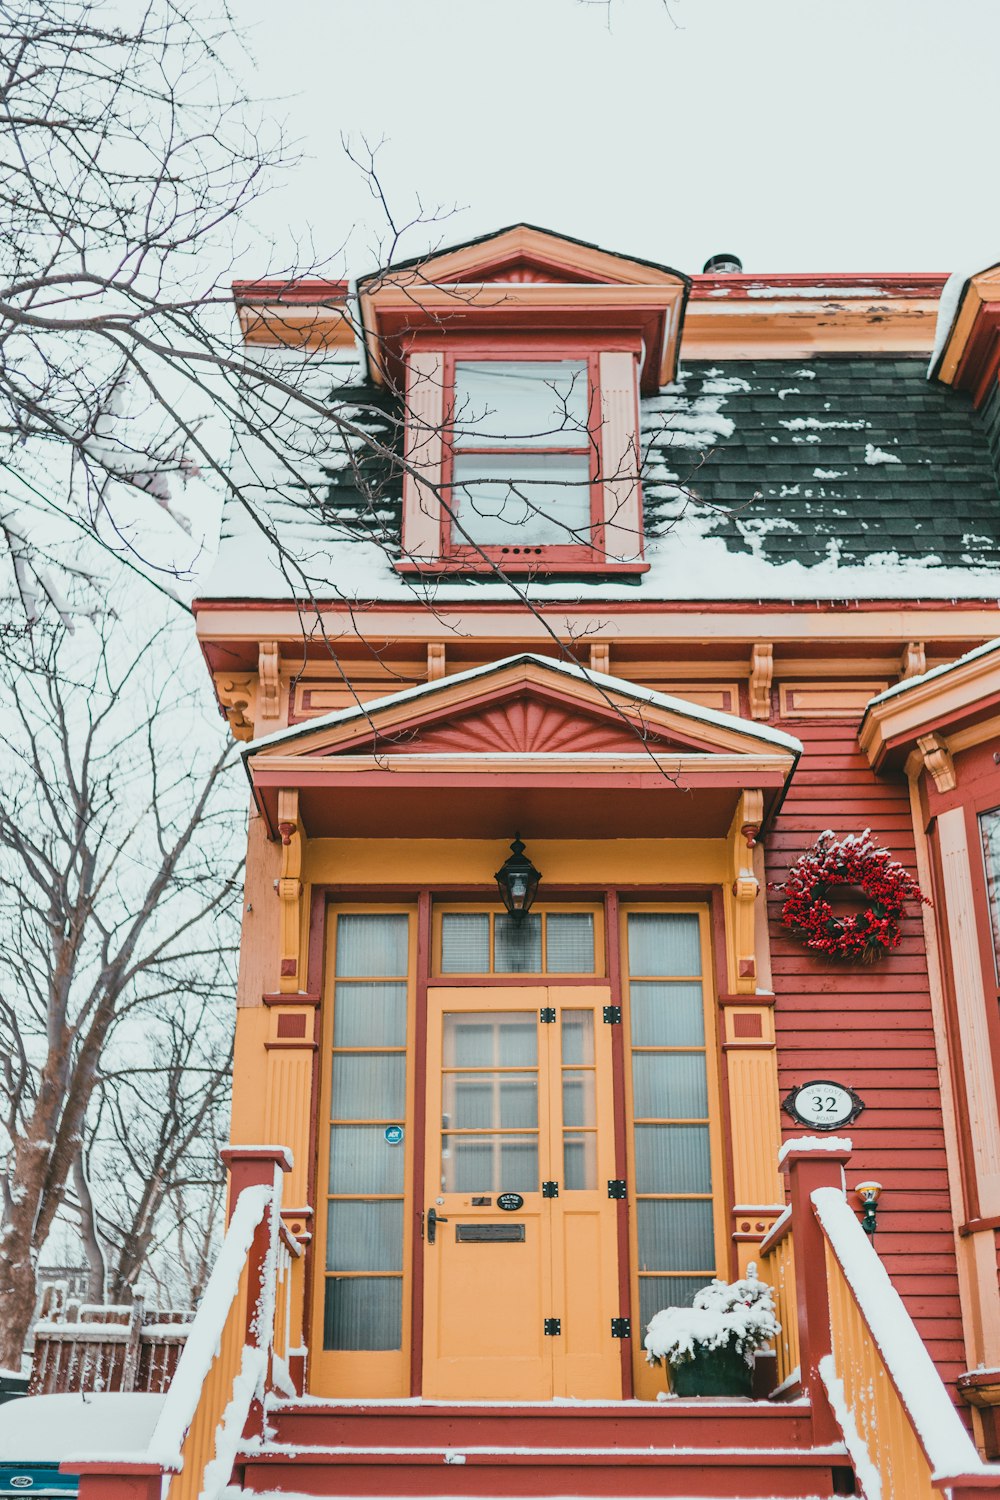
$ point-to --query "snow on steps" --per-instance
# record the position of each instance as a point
(706, 1423)
(686, 1450)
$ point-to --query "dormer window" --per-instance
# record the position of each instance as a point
(522, 456)
(522, 357)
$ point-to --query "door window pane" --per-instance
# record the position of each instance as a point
(663, 944)
(518, 944)
(362, 1161)
(491, 1039)
(669, 1086)
(489, 1163)
(484, 1101)
(569, 942)
(667, 1015)
(580, 1160)
(578, 1097)
(364, 1236)
(369, 1086)
(675, 1234)
(672, 1159)
(578, 1037)
(363, 1312)
(372, 944)
(465, 942)
(369, 1015)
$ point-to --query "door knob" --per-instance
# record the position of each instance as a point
(433, 1220)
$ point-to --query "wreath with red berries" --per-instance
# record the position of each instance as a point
(854, 861)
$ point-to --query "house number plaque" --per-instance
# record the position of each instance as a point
(823, 1104)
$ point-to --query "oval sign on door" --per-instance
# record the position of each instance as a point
(510, 1202)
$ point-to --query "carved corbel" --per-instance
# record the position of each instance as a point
(937, 759)
(269, 675)
(600, 657)
(761, 677)
(289, 889)
(913, 662)
(745, 887)
(238, 698)
(435, 661)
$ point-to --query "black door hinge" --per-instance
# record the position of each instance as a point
(621, 1328)
(547, 1014)
(553, 1327)
(616, 1187)
(612, 1015)
(550, 1190)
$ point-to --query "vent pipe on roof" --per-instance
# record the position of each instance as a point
(722, 265)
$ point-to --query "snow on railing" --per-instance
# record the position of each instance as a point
(905, 1438)
(777, 1255)
(237, 1351)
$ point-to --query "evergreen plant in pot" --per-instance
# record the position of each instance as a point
(709, 1347)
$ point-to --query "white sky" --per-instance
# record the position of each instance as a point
(806, 135)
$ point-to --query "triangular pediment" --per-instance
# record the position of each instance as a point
(525, 253)
(528, 706)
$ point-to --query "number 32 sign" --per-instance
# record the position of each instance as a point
(823, 1104)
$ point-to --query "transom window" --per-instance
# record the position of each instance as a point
(523, 456)
(472, 941)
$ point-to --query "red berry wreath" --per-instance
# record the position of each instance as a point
(855, 860)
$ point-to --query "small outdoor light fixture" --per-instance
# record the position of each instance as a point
(517, 880)
(869, 1193)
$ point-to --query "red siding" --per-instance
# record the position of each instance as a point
(870, 1027)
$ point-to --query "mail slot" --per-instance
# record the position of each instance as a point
(478, 1234)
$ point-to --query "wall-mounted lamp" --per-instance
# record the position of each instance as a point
(517, 880)
(869, 1193)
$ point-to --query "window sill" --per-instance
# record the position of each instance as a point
(516, 567)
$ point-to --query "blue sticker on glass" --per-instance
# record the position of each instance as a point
(393, 1135)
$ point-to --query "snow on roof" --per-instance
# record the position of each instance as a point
(912, 682)
(758, 484)
(48, 1429)
(694, 711)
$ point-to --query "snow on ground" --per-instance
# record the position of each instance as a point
(50, 1428)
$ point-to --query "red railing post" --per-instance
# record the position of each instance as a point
(813, 1164)
(258, 1166)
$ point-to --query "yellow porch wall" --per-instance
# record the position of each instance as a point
(460, 862)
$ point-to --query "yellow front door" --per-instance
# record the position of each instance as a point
(520, 1233)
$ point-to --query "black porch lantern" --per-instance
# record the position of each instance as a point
(517, 880)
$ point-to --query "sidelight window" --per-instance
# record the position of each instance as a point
(671, 1109)
(365, 1192)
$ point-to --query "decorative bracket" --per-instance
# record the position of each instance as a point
(937, 759)
(269, 673)
(435, 661)
(913, 662)
(238, 697)
(600, 657)
(761, 677)
(289, 888)
(745, 888)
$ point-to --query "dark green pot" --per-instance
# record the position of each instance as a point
(713, 1372)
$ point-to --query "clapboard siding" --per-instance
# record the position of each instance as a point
(871, 1028)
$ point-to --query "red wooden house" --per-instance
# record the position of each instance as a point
(665, 577)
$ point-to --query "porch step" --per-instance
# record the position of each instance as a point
(699, 1474)
(708, 1423)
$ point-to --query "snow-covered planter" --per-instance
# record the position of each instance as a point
(710, 1346)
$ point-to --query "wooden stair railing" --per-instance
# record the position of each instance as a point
(245, 1336)
(849, 1343)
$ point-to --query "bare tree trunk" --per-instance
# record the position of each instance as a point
(88, 1232)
